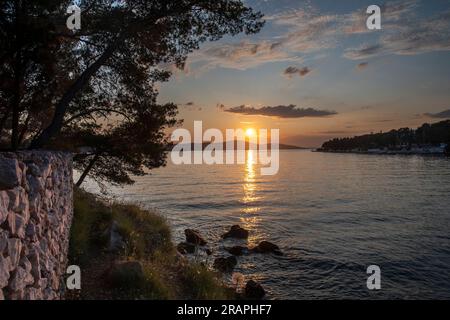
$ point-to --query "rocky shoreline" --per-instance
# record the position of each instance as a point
(195, 242)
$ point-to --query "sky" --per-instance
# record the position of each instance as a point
(315, 71)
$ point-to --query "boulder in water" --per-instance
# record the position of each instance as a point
(267, 247)
(254, 291)
(225, 264)
(236, 232)
(237, 250)
(193, 236)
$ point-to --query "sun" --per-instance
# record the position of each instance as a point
(250, 132)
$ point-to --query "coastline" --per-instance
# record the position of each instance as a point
(388, 153)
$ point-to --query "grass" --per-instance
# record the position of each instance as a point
(147, 238)
(201, 284)
(148, 285)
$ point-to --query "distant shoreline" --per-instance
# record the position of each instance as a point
(193, 146)
(385, 153)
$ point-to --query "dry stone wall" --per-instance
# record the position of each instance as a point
(36, 209)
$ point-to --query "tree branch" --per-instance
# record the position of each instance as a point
(88, 112)
(86, 171)
(61, 107)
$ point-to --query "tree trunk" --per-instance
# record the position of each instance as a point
(61, 107)
(86, 171)
(24, 129)
(4, 119)
(15, 128)
(17, 78)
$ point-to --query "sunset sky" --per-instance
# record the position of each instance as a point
(320, 57)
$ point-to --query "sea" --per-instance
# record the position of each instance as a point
(332, 215)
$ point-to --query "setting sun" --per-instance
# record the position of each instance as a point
(250, 132)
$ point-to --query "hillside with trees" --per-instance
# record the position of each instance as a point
(426, 136)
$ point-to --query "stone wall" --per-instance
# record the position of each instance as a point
(36, 210)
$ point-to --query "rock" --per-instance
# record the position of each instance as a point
(14, 250)
(54, 282)
(34, 170)
(33, 257)
(5, 267)
(3, 241)
(49, 183)
(10, 173)
(30, 231)
(184, 247)
(20, 279)
(193, 236)
(26, 264)
(254, 291)
(49, 294)
(32, 294)
(20, 226)
(237, 250)
(4, 206)
(236, 232)
(46, 259)
(45, 168)
(267, 247)
(34, 204)
(19, 202)
(16, 225)
(14, 199)
(225, 264)
(18, 295)
(34, 223)
(52, 218)
(2, 297)
(36, 185)
(36, 209)
(11, 223)
(116, 242)
(127, 274)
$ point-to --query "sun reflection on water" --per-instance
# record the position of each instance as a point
(249, 178)
(250, 219)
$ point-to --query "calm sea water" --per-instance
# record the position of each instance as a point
(333, 215)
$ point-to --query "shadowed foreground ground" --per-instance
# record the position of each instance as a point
(127, 253)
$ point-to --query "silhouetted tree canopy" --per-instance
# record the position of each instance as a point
(427, 134)
(94, 89)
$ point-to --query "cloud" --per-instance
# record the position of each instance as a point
(364, 52)
(292, 71)
(190, 106)
(392, 12)
(440, 115)
(404, 33)
(243, 55)
(290, 111)
(292, 34)
(307, 31)
(362, 65)
(382, 120)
